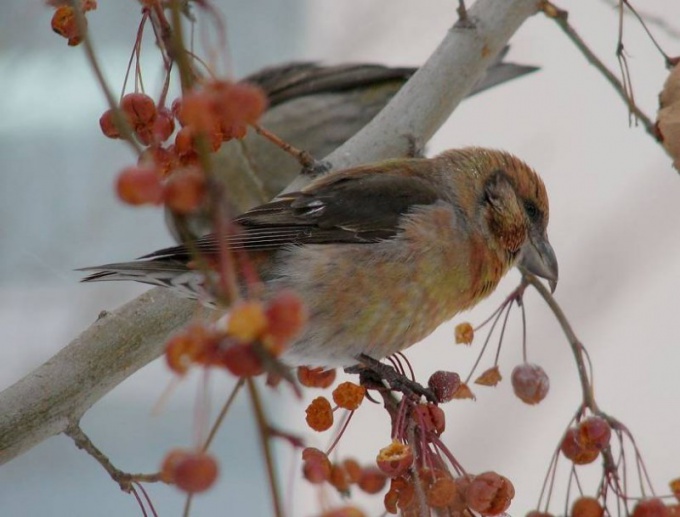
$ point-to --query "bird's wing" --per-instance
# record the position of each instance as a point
(358, 206)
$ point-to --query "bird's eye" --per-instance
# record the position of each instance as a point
(531, 210)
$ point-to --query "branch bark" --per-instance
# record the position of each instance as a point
(43, 403)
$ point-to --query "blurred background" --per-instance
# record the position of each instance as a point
(615, 209)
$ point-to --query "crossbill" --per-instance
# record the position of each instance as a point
(381, 254)
(315, 108)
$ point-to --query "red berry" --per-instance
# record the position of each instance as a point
(139, 185)
(530, 383)
(191, 471)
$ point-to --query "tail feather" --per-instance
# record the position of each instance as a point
(185, 282)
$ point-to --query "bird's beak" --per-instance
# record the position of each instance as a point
(538, 258)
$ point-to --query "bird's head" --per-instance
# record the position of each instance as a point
(513, 205)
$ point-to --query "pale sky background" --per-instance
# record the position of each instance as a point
(615, 226)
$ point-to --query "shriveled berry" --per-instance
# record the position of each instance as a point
(464, 333)
(490, 493)
(390, 501)
(348, 395)
(444, 385)
(163, 126)
(395, 459)
(372, 480)
(139, 108)
(339, 479)
(530, 383)
(432, 417)
(319, 414)
(441, 492)
(594, 433)
(353, 470)
(575, 451)
(316, 467)
(315, 377)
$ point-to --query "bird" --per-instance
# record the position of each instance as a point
(314, 107)
(380, 254)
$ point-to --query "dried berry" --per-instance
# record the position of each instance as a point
(530, 383)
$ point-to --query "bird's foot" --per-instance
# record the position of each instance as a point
(373, 374)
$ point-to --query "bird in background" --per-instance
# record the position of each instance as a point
(380, 254)
(316, 108)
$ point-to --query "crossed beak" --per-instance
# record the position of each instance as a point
(538, 258)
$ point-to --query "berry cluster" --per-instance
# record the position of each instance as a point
(254, 332)
(213, 112)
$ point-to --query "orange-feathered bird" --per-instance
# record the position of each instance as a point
(384, 253)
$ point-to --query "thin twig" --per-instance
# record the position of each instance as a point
(263, 427)
(560, 16)
(124, 479)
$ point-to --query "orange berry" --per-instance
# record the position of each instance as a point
(390, 501)
(182, 350)
(163, 126)
(159, 158)
(653, 507)
(444, 385)
(530, 383)
(395, 459)
(490, 377)
(587, 507)
(675, 487)
(287, 316)
(315, 377)
(441, 492)
(184, 142)
(594, 433)
(247, 321)
(190, 471)
(372, 480)
(139, 108)
(316, 467)
(241, 360)
(65, 24)
(464, 333)
(575, 451)
(139, 185)
(405, 491)
(196, 111)
(184, 191)
(319, 414)
(349, 395)
(340, 479)
(353, 470)
(345, 511)
(490, 493)
(107, 125)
